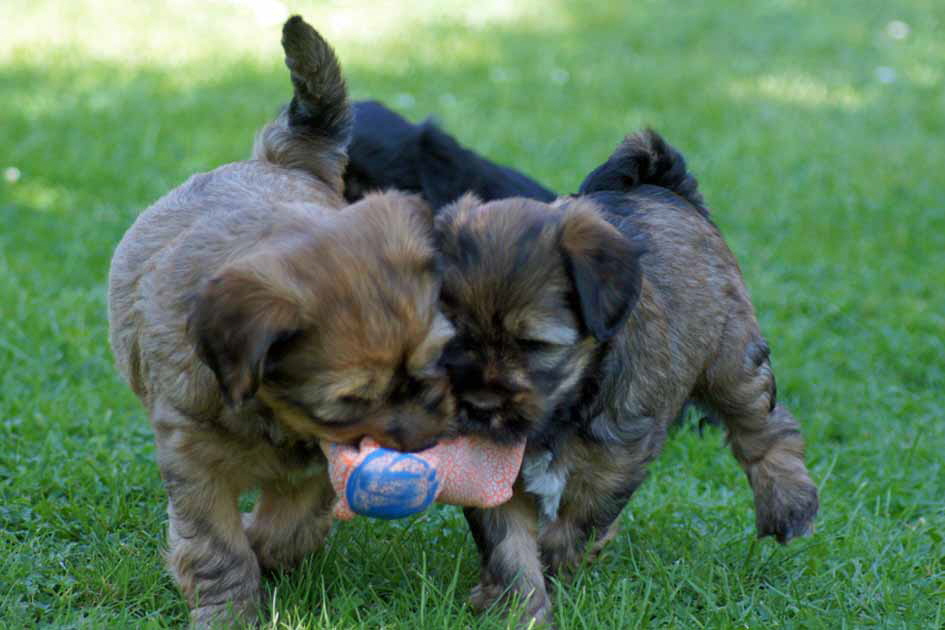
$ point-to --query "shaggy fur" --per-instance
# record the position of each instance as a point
(387, 151)
(254, 314)
(585, 326)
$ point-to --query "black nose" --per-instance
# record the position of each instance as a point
(483, 400)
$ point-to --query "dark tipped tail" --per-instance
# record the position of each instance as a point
(320, 105)
(314, 130)
(645, 158)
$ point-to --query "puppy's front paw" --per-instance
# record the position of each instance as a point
(484, 595)
(537, 613)
(227, 615)
(561, 561)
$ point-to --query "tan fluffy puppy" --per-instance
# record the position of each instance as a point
(254, 314)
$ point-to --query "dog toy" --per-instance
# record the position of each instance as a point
(383, 483)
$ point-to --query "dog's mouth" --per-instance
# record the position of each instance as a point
(505, 424)
(407, 447)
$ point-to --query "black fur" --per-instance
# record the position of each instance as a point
(645, 158)
(448, 171)
(607, 281)
(388, 151)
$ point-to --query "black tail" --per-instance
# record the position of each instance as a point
(313, 132)
(645, 158)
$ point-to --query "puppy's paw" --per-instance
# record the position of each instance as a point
(484, 595)
(602, 541)
(280, 548)
(561, 561)
(564, 548)
(537, 612)
(787, 511)
(226, 615)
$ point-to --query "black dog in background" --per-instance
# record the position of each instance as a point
(388, 151)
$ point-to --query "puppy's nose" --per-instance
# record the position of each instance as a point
(483, 400)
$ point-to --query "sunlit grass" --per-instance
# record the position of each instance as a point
(798, 89)
(180, 33)
(824, 174)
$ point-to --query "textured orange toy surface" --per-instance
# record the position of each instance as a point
(382, 483)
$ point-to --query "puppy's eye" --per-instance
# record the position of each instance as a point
(432, 372)
(455, 353)
(534, 345)
(353, 401)
(433, 400)
(447, 299)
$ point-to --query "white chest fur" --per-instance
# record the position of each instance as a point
(544, 481)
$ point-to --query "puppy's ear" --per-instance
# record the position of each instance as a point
(234, 322)
(604, 269)
(444, 228)
(446, 170)
(420, 210)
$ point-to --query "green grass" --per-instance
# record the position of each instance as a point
(826, 181)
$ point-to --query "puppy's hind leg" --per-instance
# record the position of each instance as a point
(764, 436)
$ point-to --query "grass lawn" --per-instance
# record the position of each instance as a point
(817, 131)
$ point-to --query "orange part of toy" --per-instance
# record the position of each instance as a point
(467, 471)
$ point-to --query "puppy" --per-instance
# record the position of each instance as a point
(585, 326)
(254, 314)
(387, 151)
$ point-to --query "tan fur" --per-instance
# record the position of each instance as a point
(289, 233)
(254, 314)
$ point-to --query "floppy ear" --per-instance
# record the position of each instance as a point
(604, 269)
(234, 323)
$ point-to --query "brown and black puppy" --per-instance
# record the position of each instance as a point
(254, 314)
(585, 326)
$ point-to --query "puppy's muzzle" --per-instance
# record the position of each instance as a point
(483, 400)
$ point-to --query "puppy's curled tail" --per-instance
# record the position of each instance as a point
(313, 131)
(645, 158)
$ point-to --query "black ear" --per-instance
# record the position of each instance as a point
(233, 324)
(445, 169)
(605, 270)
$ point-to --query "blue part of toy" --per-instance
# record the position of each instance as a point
(389, 485)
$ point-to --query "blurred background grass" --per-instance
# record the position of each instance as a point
(816, 132)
